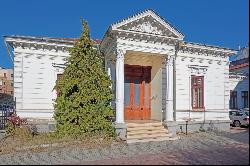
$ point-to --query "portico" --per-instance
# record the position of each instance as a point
(151, 82)
(140, 91)
(139, 57)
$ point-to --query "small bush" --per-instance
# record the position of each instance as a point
(10, 129)
(15, 127)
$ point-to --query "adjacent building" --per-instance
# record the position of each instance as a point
(239, 80)
(6, 81)
(156, 75)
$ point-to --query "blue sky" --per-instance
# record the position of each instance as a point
(216, 22)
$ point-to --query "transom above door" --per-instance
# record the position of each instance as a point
(137, 92)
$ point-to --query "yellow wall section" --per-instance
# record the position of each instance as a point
(146, 59)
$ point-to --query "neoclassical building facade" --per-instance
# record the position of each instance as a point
(156, 75)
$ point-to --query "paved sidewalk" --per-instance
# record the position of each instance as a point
(198, 148)
(225, 155)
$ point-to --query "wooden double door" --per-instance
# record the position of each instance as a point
(137, 92)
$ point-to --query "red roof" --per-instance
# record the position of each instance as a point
(239, 64)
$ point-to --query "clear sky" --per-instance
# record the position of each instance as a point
(216, 22)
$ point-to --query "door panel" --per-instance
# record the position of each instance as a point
(127, 93)
(137, 92)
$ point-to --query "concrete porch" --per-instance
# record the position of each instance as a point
(147, 131)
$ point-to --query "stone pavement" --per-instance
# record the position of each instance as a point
(226, 155)
(197, 148)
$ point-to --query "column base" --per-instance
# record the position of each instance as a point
(171, 126)
(121, 130)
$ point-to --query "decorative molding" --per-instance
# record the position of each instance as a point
(33, 44)
(146, 27)
(237, 76)
(219, 62)
(183, 58)
(59, 68)
(145, 15)
(201, 60)
(192, 59)
(197, 70)
(120, 53)
(169, 60)
(210, 61)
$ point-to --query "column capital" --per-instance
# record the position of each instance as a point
(169, 60)
(120, 53)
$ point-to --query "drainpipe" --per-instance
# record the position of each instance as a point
(174, 86)
(178, 45)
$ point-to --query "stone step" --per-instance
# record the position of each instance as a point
(143, 124)
(135, 132)
(152, 139)
(145, 128)
(147, 136)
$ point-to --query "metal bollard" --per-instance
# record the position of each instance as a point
(186, 126)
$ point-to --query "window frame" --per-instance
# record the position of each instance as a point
(244, 97)
(194, 79)
(233, 97)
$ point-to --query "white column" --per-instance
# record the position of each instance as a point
(120, 86)
(169, 90)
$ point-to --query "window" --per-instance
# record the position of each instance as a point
(12, 75)
(244, 95)
(4, 75)
(233, 99)
(197, 84)
(12, 84)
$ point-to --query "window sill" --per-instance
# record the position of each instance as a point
(198, 110)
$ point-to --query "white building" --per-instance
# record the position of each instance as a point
(140, 56)
(239, 80)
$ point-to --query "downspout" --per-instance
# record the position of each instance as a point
(174, 86)
(178, 45)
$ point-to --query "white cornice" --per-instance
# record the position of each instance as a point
(237, 76)
(34, 44)
(152, 14)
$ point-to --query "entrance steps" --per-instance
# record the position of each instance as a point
(146, 132)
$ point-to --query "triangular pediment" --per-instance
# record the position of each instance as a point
(150, 23)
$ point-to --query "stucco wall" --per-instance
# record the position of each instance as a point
(34, 80)
(215, 87)
(156, 89)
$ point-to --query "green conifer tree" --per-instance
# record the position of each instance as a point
(84, 92)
